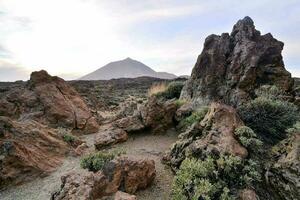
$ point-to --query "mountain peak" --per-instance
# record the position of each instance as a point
(127, 68)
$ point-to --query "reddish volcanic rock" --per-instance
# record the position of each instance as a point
(63, 105)
(27, 150)
(51, 101)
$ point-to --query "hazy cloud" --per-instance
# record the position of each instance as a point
(11, 72)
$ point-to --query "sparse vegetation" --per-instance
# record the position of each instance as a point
(248, 138)
(268, 115)
(96, 161)
(67, 136)
(196, 116)
(213, 178)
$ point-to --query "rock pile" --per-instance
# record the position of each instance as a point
(124, 174)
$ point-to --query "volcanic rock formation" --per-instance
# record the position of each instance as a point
(27, 150)
(51, 101)
(231, 67)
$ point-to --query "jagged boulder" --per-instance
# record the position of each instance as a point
(125, 174)
(213, 135)
(27, 150)
(51, 101)
(232, 66)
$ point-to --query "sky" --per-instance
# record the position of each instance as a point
(71, 38)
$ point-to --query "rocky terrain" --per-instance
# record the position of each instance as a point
(231, 131)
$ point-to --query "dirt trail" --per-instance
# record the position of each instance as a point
(152, 147)
(139, 146)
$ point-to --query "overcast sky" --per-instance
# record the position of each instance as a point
(70, 38)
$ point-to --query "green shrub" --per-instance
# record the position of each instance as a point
(213, 178)
(248, 138)
(69, 138)
(295, 128)
(269, 118)
(173, 90)
(196, 116)
(96, 161)
(179, 103)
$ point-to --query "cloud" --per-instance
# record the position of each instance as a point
(10, 71)
(75, 37)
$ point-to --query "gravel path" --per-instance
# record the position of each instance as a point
(138, 146)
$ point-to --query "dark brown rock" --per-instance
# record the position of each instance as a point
(231, 67)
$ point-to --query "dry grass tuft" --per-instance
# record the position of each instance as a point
(157, 88)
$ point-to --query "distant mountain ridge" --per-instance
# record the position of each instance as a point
(127, 68)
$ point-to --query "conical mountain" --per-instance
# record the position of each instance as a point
(127, 68)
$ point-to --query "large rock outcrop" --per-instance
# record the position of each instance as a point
(125, 174)
(27, 150)
(213, 135)
(51, 101)
(232, 66)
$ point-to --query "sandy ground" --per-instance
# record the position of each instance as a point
(138, 146)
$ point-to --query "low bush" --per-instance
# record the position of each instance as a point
(248, 138)
(96, 161)
(196, 116)
(268, 117)
(69, 138)
(213, 178)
